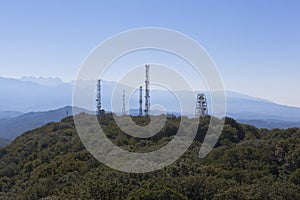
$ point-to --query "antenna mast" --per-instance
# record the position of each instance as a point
(141, 101)
(100, 111)
(123, 100)
(201, 105)
(98, 100)
(147, 91)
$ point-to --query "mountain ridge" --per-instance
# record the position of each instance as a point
(13, 127)
(24, 96)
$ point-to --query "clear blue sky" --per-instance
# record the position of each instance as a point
(255, 44)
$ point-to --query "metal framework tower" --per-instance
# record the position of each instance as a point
(123, 101)
(147, 91)
(98, 99)
(141, 101)
(100, 111)
(201, 106)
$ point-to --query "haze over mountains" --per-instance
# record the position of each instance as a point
(29, 94)
(15, 126)
(42, 80)
(9, 114)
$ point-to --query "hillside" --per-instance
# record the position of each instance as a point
(14, 126)
(247, 163)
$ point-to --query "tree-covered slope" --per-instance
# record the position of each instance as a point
(247, 163)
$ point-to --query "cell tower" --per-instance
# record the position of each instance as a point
(141, 101)
(147, 91)
(201, 106)
(123, 101)
(100, 111)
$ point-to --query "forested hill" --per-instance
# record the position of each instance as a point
(247, 163)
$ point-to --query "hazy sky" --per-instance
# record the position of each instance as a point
(255, 44)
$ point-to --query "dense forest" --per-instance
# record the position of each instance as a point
(247, 163)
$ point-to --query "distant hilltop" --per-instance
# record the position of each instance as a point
(42, 80)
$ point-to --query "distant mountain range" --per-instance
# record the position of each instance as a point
(270, 123)
(26, 96)
(42, 94)
(13, 127)
(9, 114)
(42, 81)
(4, 142)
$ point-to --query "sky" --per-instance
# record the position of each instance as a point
(255, 44)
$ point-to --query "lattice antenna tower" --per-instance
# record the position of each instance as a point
(100, 111)
(123, 101)
(147, 91)
(201, 105)
(98, 99)
(141, 101)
